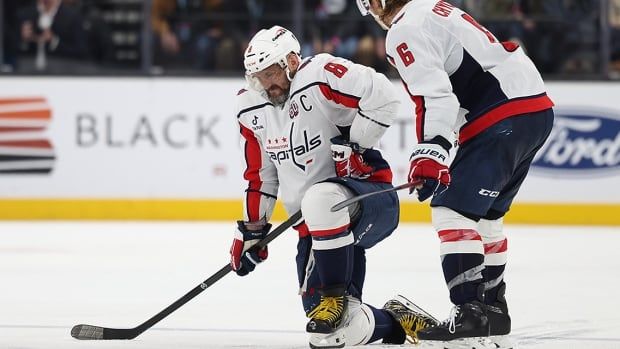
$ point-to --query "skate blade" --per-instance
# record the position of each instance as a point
(327, 340)
(494, 342)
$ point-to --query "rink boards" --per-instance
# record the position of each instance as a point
(138, 148)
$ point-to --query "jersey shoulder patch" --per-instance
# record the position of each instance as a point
(250, 100)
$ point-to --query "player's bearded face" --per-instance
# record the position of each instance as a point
(275, 83)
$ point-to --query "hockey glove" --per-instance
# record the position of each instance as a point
(348, 160)
(428, 171)
(244, 258)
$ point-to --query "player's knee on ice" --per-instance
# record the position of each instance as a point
(360, 324)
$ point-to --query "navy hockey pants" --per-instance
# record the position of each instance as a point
(377, 219)
(489, 169)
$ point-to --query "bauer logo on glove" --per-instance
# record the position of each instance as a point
(429, 171)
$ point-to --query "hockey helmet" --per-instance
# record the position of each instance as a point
(364, 6)
(268, 47)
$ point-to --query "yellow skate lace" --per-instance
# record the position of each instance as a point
(412, 324)
(329, 310)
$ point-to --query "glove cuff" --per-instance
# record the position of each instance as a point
(245, 235)
(430, 151)
(439, 140)
(341, 141)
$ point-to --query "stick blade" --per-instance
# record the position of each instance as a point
(87, 332)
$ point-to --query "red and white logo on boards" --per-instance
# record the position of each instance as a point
(24, 147)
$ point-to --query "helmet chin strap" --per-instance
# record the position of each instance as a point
(379, 21)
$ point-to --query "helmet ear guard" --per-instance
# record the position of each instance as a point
(364, 7)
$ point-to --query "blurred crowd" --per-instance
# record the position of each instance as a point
(563, 37)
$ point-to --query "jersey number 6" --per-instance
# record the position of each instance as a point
(405, 55)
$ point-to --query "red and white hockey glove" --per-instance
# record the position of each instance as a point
(428, 171)
(244, 258)
(348, 160)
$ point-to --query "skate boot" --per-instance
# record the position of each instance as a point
(497, 312)
(465, 321)
(326, 320)
(410, 317)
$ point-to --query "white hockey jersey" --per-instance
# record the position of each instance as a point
(457, 73)
(288, 147)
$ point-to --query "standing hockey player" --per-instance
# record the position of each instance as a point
(462, 79)
(308, 128)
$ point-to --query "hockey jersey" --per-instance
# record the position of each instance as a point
(460, 77)
(288, 147)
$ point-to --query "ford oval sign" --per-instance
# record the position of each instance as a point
(583, 141)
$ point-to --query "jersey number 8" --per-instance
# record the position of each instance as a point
(336, 69)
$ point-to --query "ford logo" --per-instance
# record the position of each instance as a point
(583, 141)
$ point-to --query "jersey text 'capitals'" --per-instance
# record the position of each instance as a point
(279, 150)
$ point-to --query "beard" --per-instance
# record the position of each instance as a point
(280, 99)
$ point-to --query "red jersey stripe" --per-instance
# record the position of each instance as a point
(420, 114)
(511, 108)
(253, 160)
(302, 229)
(339, 97)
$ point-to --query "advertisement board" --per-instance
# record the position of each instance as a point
(169, 148)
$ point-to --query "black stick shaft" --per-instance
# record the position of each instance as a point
(96, 332)
(339, 206)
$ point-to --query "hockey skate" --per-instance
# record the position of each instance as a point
(499, 320)
(499, 323)
(327, 319)
(410, 317)
(468, 321)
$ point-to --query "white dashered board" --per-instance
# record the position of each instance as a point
(178, 138)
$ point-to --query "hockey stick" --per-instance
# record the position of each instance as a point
(342, 204)
(97, 332)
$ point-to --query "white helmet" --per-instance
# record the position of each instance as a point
(268, 47)
(364, 7)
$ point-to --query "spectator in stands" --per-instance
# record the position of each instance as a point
(210, 43)
(564, 38)
(614, 21)
(10, 36)
(267, 13)
(582, 36)
(543, 34)
(333, 31)
(53, 33)
(502, 17)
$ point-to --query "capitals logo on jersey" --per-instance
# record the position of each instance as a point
(282, 149)
(293, 111)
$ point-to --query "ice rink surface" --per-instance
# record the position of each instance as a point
(563, 285)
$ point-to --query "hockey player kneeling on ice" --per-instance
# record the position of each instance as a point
(308, 128)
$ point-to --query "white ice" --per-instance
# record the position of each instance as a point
(563, 284)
